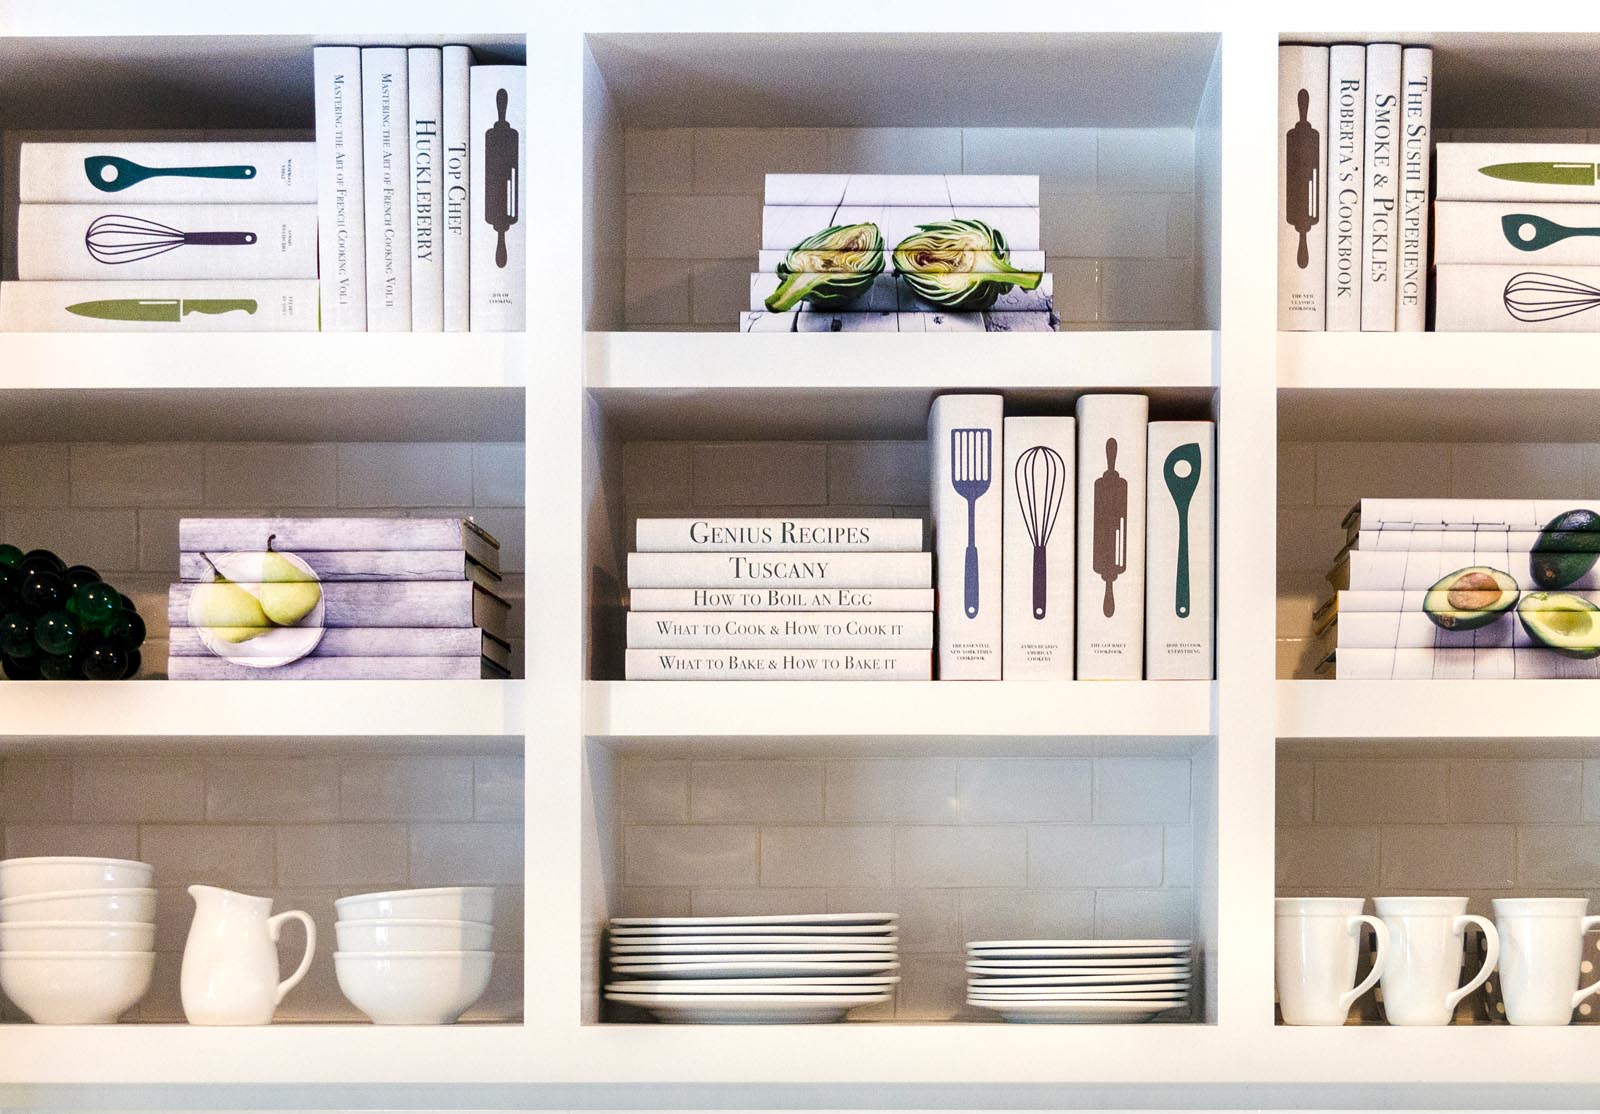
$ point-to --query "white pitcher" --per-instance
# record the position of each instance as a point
(230, 963)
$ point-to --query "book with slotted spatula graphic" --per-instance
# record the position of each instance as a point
(970, 465)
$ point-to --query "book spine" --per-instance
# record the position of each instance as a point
(1179, 618)
(892, 292)
(1039, 577)
(385, 107)
(361, 604)
(1416, 142)
(117, 242)
(781, 599)
(332, 669)
(257, 173)
(1392, 601)
(357, 642)
(455, 190)
(1382, 192)
(778, 535)
(1111, 547)
(908, 630)
(767, 260)
(997, 190)
(298, 535)
(767, 570)
(1484, 232)
(1531, 298)
(1410, 630)
(1396, 571)
(784, 226)
(1505, 541)
(966, 501)
(341, 188)
(497, 292)
(392, 565)
(1464, 514)
(1464, 172)
(1302, 165)
(826, 664)
(1459, 663)
(160, 305)
(1347, 103)
(849, 321)
(425, 94)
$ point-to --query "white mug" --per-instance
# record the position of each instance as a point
(1319, 942)
(1426, 939)
(1541, 955)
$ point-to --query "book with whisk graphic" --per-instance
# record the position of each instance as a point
(1040, 562)
(116, 240)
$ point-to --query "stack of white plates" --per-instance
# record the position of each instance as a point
(1097, 981)
(788, 970)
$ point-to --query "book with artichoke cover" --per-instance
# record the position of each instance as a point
(341, 188)
(768, 260)
(966, 498)
(1039, 574)
(988, 190)
(1111, 526)
(944, 321)
(1180, 483)
(116, 241)
(386, 163)
(784, 226)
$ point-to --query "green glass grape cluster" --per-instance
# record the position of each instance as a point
(63, 623)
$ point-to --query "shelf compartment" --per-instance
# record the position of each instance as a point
(976, 710)
(1358, 710)
(276, 709)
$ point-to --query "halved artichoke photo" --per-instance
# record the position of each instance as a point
(960, 264)
(831, 268)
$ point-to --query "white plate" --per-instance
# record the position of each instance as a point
(843, 984)
(753, 970)
(1077, 1013)
(854, 919)
(811, 940)
(1159, 990)
(276, 647)
(873, 931)
(748, 1009)
(1074, 945)
(1152, 974)
(761, 957)
(724, 948)
(1066, 960)
(986, 983)
(984, 974)
(1046, 965)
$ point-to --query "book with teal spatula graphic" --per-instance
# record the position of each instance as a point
(241, 305)
(253, 172)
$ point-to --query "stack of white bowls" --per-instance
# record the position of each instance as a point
(77, 937)
(415, 957)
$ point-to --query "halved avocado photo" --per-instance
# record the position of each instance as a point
(1471, 598)
(1563, 622)
(1567, 549)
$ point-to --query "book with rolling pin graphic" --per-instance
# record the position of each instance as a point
(966, 500)
(1111, 519)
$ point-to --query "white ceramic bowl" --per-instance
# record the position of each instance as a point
(123, 904)
(413, 988)
(449, 903)
(77, 936)
(47, 874)
(75, 988)
(414, 936)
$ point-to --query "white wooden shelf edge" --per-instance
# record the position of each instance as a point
(74, 709)
(637, 360)
(1464, 709)
(1438, 361)
(630, 709)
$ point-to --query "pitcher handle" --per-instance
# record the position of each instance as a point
(274, 925)
(1380, 958)
(1584, 992)
(1491, 936)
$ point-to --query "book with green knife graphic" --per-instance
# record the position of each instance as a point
(168, 310)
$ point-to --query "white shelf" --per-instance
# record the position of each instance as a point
(844, 385)
(353, 712)
(731, 710)
(1456, 386)
(1358, 710)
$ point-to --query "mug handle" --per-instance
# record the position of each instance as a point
(1584, 992)
(274, 925)
(1380, 958)
(1491, 936)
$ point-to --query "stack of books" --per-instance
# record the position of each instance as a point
(1354, 131)
(120, 236)
(337, 599)
(1514, 240)
(419, 157)
(838, 599)
(1072, 546)
(900, 253)
(1466, 588)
